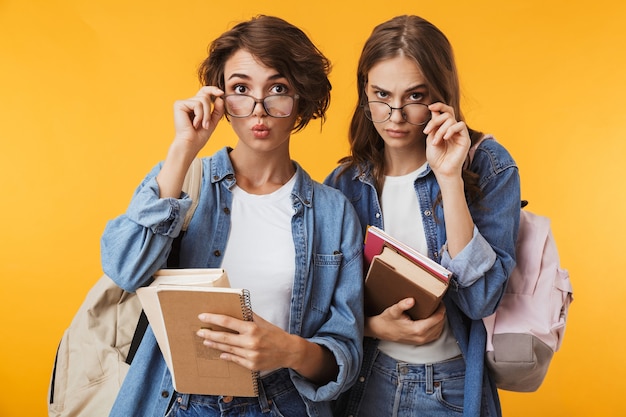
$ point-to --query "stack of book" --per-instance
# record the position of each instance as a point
(397, 271)
(172, 304)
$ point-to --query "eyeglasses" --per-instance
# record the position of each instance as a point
(242, 105)
(413, 113)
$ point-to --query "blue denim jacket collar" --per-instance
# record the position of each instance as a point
(222, 170)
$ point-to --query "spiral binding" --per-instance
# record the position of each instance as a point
(246, 308)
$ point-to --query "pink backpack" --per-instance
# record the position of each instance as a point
(529, 323)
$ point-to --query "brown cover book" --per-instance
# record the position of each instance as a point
(172, 310)
(393, 277)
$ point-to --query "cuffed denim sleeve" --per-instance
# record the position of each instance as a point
(164, 216)
(472, 262)
(332, 389)
(137, 243)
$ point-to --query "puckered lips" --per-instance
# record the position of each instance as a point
(260, 131)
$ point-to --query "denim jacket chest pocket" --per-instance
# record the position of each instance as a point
(326, 272)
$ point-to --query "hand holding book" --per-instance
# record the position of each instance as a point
(395, 325)
(259, 344)
(172, 304)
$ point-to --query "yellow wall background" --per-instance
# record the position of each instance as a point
(86, 92)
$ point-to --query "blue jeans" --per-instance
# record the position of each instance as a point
(277, 398)
(400, 389)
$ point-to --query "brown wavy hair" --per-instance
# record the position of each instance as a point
(419, 40)
(282, 46)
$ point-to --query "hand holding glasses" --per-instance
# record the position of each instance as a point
(413, 113)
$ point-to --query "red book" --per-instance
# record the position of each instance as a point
(376, 239)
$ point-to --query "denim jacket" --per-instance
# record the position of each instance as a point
(326, 305)
(480, 270)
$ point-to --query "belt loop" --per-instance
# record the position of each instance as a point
(263, 403)
(183, 401)
(429, 379)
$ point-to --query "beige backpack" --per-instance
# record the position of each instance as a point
(97, 348)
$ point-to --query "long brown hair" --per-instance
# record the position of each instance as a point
(421, 41)
(284, 47)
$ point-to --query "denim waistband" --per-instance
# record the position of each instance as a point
(438, 370)
(270, 385)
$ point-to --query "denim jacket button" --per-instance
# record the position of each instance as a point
(427, 213)
(378, 215)
(165, 394)
(226, 210)
(361, 379)
(217, 253)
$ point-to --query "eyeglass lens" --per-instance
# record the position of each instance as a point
(239, 105)
(413, 113)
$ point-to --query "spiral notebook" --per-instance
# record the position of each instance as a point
(172, 310)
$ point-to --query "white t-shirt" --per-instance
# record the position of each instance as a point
(260, 253)
(402, 220)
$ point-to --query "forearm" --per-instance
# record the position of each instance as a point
(173, 171)
(136, 244)
(459, 223)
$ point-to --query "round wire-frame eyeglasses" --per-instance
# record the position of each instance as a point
(413, 113)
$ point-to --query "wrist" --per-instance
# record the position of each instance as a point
(452, 181)
(370, 329)
(312, 361)
(181, 151)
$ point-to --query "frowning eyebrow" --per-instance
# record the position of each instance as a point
(410, 89)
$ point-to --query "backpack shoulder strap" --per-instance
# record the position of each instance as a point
(472, 149)
(470, 157)
(191, 185)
